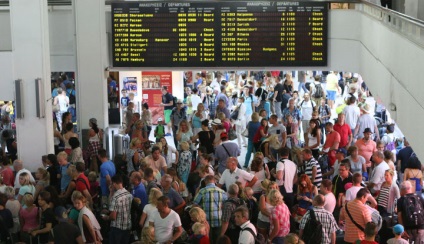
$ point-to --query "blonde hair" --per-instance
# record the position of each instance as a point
(292, 238)
(197, 227)
(221, 116)
(184, 146)
(255, 117)
(28, 199)
(77, 195)
(134, 142)
(154, 195)
(10, 192)
(148, 235)
(391, 172)
(92, 176)
(45, 175)
(198, 214)
(275, 197)
(62, 155)
(72, 171)
(25, 177)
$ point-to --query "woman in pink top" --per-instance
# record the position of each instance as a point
(28, 217)
(279, 218)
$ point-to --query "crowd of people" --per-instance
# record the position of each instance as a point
(304, 177)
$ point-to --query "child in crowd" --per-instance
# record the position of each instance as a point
(87, 222)
(199, 231)
(370, 233)
(148, 235)
(76, 153)
(292, 238)
(252, 204)
(398, 231)
(159, 130)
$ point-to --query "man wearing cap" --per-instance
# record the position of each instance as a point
(344, 131)
(178, 114)
(397, 231)
(366, 147)
(168, 104)
(222, 107)
(377, 175)
(233, 174)
(64, 232)
(366, 120)
(224, 151)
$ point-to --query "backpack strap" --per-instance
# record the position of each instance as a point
(353, 221)
(250, 230)
(226, 150)
(83, 181)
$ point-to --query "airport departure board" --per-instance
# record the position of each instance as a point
(219, 34)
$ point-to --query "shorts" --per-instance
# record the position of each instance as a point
(167, 113)
(331, 95)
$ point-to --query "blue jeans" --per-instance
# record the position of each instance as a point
(119, 236)
(302, 86)
(250, 149)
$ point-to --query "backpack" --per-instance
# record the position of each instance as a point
(412, 211)
(239, 203)
(323, 163)
(259, 238)
(313, 230)
(160, 130)
(72, 99)
(391, 145)
(318, 91)
(312, 103)
(175, 100)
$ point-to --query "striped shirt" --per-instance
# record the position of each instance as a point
(210, 199)
(121, 204)
(383, 197)
(308, 171)
(360, 214)
(329, 224)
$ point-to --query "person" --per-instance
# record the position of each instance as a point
(168, 105)
(26, 187)
(326, 218)
(146, 118)
(76, 154)
(6, 172)
(261, 171)
(293, 110)
(82, 184)
(198, 117)
(414, 174)
(167, 151)
(222, 107)
(357, 162)
(389, 193)
(366, 147)
(388, 158)
(412, 221)
(138, 190)
(278, 98)
(156, 161)
(252, 128)
(233, 174)
(312, 167)
(94, 143)
(402, 158)
(184, 162)
(277, 129)
(224, 151)
(279, 218)
(111, 91)
(286, 176)
(358, 213)
(240, 122)
(339, 182)
(313, 137)
(62, 101)
(209, 199)
(67, 136)
(167, 222)
(159, 131)
(248, 231)
(344, 131)
(307, 106)
(87, 222)
(107, 171)
(206, 138)
(370, 233)
(199, 234)
(332, 142)
(150, 180)
(366, 120)
(332, 88)
(176, 202)
(43, 178)
(377, 175)
(150, 209)
(353, 190)
(28, 217)
(119, 208)
(64, 232)
(292, 238)
(330, 199)
(398, 230)
(197, 215)
(47, 221)
(18, 167)
(305, 195)
(228, 226)
(292, 130)
(180, 127)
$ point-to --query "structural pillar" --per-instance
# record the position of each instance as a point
(31, 60)
(91, 58)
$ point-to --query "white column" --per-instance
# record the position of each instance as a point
(91, 57)
(31, 60)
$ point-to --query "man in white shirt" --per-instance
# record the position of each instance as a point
(18, 166)
(286, 175)
(356, 186)
(377, 175)
(330, 199)
(352, 113)
(307, 107)
(233, 174)
(248, 230)
(195, 99)
(278, 129)
(167, 222)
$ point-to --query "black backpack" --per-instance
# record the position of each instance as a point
(72, 98)
(318, 91)
(259, 238)
(413, 211)
(313, 230)
(175, 100)
(323, 163)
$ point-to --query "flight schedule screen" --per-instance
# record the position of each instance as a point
(219, 34)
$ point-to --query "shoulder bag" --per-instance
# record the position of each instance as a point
(234, 115)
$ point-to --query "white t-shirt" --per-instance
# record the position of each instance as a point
(169, 159)
(156, 164)
(351, 113)
(290, 169)
(195, 100)
(351, 192)
(377, 175)
(330, 202)
(307, 108)
(150, 211)
(164, 227)
(245, 237)
(239, 175)
(277, 130)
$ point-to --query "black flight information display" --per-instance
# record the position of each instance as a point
(219, 34)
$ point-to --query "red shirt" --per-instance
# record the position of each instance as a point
(344, 131)
(8, 177)
(82, 183)
(332, 137)
(258, 136)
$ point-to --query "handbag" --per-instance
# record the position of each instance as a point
(232, 135)
(245, 133)
(55, 107)
(234, 115)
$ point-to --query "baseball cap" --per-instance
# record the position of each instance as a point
(398, 229)
(224, 135)
(61, 213)
(341, 150)
(160, 119)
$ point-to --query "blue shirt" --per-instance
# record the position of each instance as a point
(140, 192)
(107, 168)
(248, 102)
(64, 178)
(253, 127)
